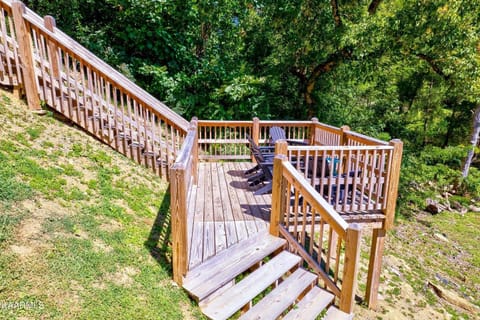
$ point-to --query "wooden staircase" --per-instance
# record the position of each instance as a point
(258, 279)
(55, 71)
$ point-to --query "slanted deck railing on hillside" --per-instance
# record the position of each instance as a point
(54, 69)
(331, 250)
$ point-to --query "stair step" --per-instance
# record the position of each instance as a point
(204, 279)
(282, 297)
(335, 314)
(311, 305)
(244, 291)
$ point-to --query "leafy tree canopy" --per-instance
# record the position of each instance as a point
(407, 69)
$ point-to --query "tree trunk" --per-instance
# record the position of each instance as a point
(473, 141)
(452, 122)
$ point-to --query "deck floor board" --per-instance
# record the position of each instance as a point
(225, 210)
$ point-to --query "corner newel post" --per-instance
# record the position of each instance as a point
(313, 131)
(278, 195)
(256, 130)
(25, 50)
(352, 258)
(178, 194)
(50, 24)
(281, 147)
(343, 137)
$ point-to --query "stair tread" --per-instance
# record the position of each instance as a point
(277, 301)
(204, 279)
(335, 314)
(311, 305)
(243, 292)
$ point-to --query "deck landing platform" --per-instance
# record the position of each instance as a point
(223, 209)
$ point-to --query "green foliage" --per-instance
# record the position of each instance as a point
(432, 172)
(7, 223)
(11, 189)
(35, 132)
(407, 70)
(451, 156)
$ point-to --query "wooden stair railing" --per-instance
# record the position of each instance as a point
(55, 70)
(294, 202)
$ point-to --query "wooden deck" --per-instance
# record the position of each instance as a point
(223, 209)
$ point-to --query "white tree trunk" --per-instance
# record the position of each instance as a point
(473, 141)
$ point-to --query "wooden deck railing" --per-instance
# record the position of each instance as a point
(183, 174)
(351, 178)
(227, 140)
(52, 68)
(331, 248)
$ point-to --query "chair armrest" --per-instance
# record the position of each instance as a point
(297, 143)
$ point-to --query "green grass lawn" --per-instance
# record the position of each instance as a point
(84, 232)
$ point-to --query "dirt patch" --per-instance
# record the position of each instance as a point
(123, 277)
(111, 226)
(29, 236)
(100, 246)
(30, 228)
(186, 313)
(81, 234)
(99, 285)
(22, 251)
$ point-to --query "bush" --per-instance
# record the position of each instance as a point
(433, 172)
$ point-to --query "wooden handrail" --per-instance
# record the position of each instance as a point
(60, 39)
(289, 219)
(55, 70)
(355, 138)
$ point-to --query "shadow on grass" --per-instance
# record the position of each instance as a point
(158, 242)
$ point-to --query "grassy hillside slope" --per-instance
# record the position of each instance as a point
(76, 236)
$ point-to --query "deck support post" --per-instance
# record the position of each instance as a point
(393, 181)
(278, 195)
(352, 258)
(375, 267)
(26, 54)
(178, 194)
(50, 24)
